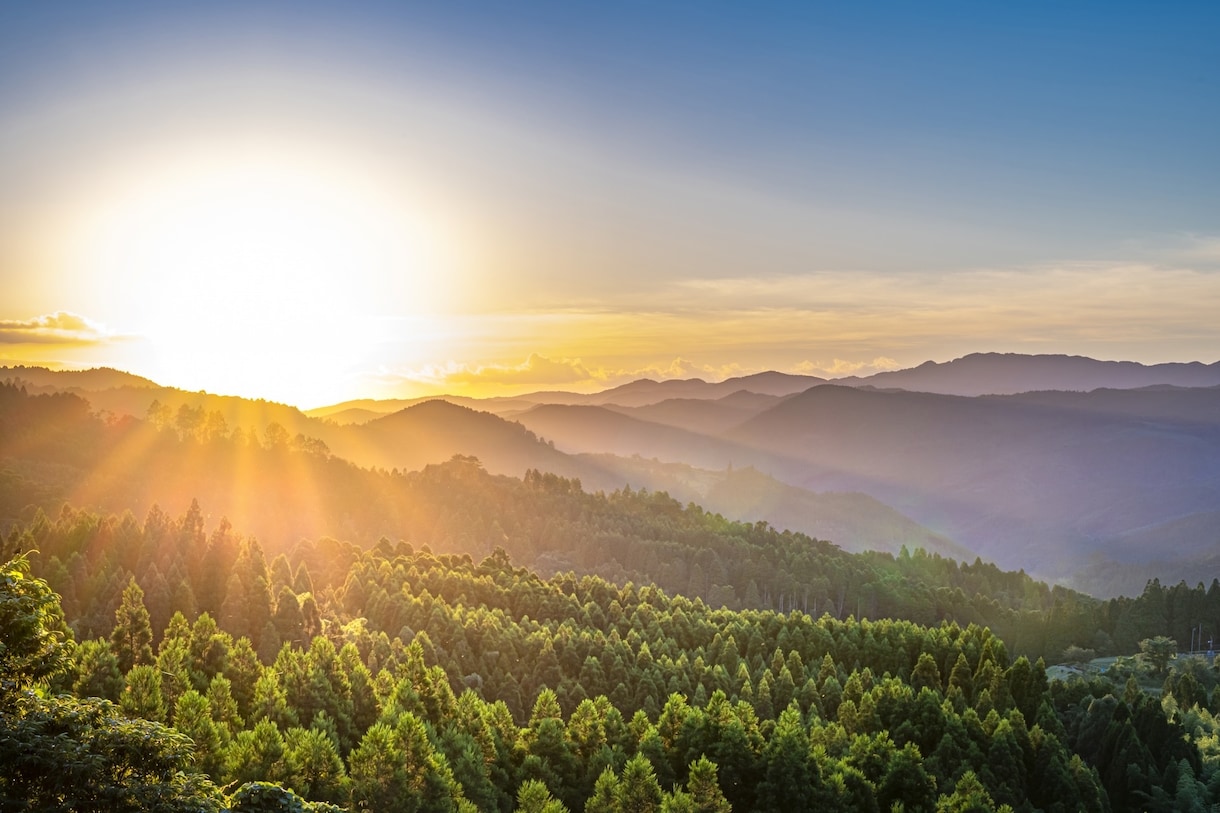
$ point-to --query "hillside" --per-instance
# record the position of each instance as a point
(1060, 483)
(282, 489)
(596, 429)
(706, 416)
(90, 380)
(1027, 484)
(854, 521)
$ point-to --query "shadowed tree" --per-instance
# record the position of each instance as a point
(1157, 652)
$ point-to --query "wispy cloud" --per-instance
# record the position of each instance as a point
(539, 371)
(61, 327)
(842, 367)
(535, 371)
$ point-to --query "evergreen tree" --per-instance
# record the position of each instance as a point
(256, 754)
(638, 790)
(379, 774)
(288, 621)
(704, 788)
(143, 697)
(789, 780)
(131, 638)
(925, 673)
(969, 796)
(193, 717)
(533, 797)
(605, 793)
(59, 753)
(97, 671)
(312, 766)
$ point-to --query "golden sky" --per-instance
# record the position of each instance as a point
(310, 203)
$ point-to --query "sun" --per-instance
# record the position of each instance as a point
(256, 272)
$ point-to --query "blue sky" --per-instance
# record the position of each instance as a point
(586, 169)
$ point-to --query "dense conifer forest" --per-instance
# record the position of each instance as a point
(653, 657)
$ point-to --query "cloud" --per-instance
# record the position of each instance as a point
(841, 367)
(539, 371)
(679, 368)
(61, 327)
(536, 370)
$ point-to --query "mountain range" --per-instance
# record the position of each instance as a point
(1099, 473)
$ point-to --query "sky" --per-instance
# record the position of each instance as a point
(310, 202)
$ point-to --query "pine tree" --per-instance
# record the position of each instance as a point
(925, 673)
(257, 754)
(289, 623)
(704, 788)
(313, 767)
(638, 790)
(605, 794)
(789, 779)
(97, 671)
(193, 717)
(969, 796)
(131, 638)
(142, 698)
(533, 797)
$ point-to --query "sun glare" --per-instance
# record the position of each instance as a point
(257, 274)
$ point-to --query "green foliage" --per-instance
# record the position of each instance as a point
(1158, 652)
(32, 646)
(313, 767)
(131, 638)
(97, 671)
(60, 753)
(533, 797)
(440, 683)
(265, 797)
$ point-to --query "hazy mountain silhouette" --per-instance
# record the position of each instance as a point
(1051, 481)
(854, 521)
(646, 391)
(974, 374)
(1009, 373)
(352, 415)
(1026, 483)
(434, 431)
(596, 429)
(39, 379)
(699, 415)
(388, 406)
(52, 448)
(1159, 402)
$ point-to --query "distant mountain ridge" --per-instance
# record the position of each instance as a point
(1012, 373)
(96, 378)
(970, 375)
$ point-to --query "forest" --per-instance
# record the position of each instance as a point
(654, 656)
